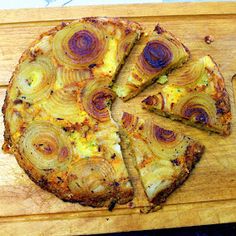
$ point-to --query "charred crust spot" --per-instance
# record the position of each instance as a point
(43, 182)
(112, 205)
(116, 184)
(113, 156)
(175, 162)
(63, 24)
(127, 31)
(91, 66)
(159, 29)
(186, 49)
(141, 127)
(60, 180)
(99, 148)
(222, 105)
(194, 152)
(18, 101)
(65, 129)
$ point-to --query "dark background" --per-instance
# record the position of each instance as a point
(208, 230)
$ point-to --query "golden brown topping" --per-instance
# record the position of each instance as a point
(95, 97)
(35, 79)
(129, 122)
(198, 107)
(92, 175)
(79, 45)
(45, 146)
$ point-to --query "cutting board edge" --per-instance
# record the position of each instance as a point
(121, 10)
(217, 213)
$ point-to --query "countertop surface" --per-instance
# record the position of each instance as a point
(15, 4)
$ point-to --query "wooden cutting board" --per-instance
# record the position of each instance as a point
(207, 197)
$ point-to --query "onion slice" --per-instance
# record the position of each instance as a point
(35, 79)
(164, 143)
(79, 45)
(93, 175)
(95, 97)
(130, 122)
(68, 76)
(199, 107)
(45, 146)
(189, 74)
(63, 103)
(155, 56)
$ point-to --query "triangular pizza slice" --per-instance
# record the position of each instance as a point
(163, 158)
(162, 53)
(194, 94)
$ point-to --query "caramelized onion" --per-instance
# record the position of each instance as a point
(198, 107)
(43, 46)
(93, 175)
(164, 143)
(79, 45)
(45, 146)
(63, 103)
(155, 56)
(124, 46)
(154, 100)
(35, 79)
(189, 74)
(68, 76)
(95, 97)
(130, 122)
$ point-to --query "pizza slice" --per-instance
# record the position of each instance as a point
(57, 111)
(194, 94)
(98, 45)
(163, 158)
(162, 53)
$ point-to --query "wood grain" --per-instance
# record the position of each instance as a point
(207, 197)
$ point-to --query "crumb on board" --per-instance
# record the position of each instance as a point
(209, 39)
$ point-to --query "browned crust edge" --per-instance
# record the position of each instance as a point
(120, 195)
(225, 131)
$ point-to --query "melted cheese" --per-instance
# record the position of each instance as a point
(121, 91)
(163, 79)
(172, 94)
(110, 60)
(84, 147)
